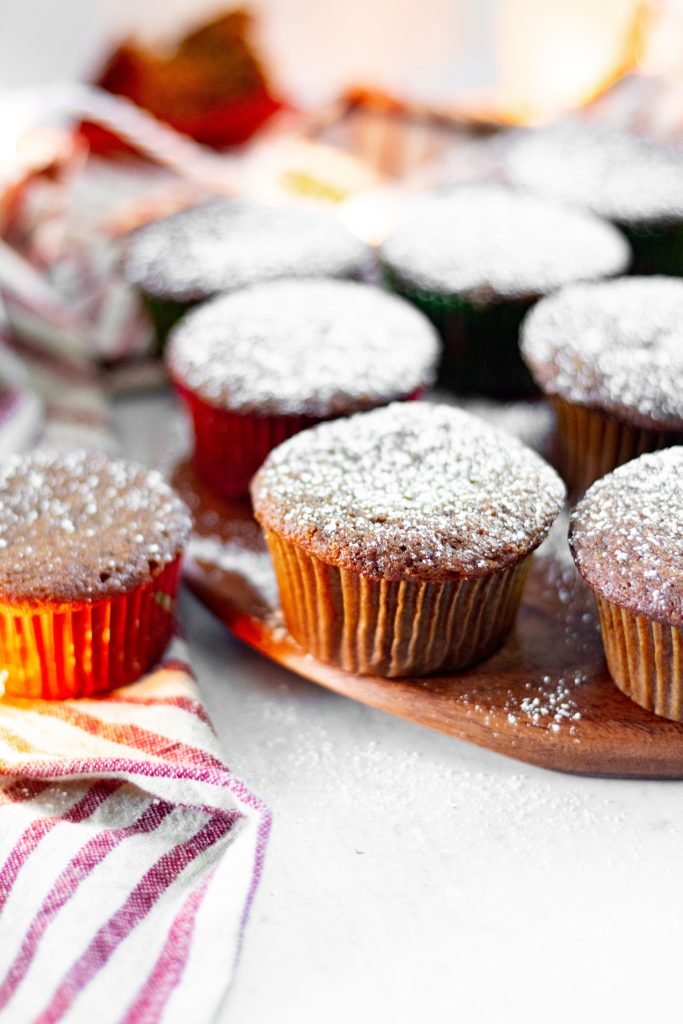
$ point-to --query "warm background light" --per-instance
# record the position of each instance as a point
(558, 54)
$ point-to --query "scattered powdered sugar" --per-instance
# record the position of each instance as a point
(414, 490)
(225, 244)
(615, 344)
(627, 536)
(616, 175)
(553, 696)
(552, 702)
(79, 525)
(316, 347)
(428, 786)
(252, 566)
(486, 240)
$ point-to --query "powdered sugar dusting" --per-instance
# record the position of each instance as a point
(485, 240)
(78, 526)
(616, 175)
(315, 347)
(627, 536)
(410, 491)
(614, 344)
(225, 244)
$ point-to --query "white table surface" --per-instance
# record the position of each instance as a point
(410, 876)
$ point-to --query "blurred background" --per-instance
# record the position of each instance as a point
(525, 57)
(353, 103)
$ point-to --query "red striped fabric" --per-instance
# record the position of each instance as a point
(129, 854)
(152, 816)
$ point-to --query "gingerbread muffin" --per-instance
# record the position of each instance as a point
(627, 539)
(401, 537)
(226, 244)
(633, 182)
(475, 258)
(90, 551)
(610, 356)
(259, 365)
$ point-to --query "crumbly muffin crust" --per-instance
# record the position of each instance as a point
(489, 243)
(626, 536)
(80, 526)
(613, 345)
(413, 491)
(616, 175)
(225, 244)
(317, 348)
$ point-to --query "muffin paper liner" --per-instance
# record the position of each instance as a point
(656, 250)
(591, 443)
(229, 447)
(645, 658)
(164, 314)
(78, 650)
(393, 628)
(481, 346)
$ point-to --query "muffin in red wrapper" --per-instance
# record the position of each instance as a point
(256, 366)
(90, 551)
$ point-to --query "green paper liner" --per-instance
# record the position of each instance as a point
(644, 658)
(656, 250)
(393, 628)
(591, 443)
(481, 343)
(164, 315)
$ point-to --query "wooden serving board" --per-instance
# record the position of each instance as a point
(545, 698)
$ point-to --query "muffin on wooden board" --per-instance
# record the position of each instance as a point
(626, 536)
(90, 551)
(476, 257)
(610, 356)
(401, 537)
(226, 244)
(256, 366)
(633, 182)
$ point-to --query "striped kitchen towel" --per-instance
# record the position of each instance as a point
(129, 856)
(129, 853)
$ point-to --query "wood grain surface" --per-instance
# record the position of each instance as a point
(545, 698)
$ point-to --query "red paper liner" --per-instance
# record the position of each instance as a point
(591, 443)
(644, 658)
(393, 628)
(229, 447)
(81, 649)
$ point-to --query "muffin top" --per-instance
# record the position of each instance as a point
(617, 175)
(225, 244)
(626, 535)
(80, 526)
(412, 491)
(614, 345)
(320, 348)
(486, 242)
